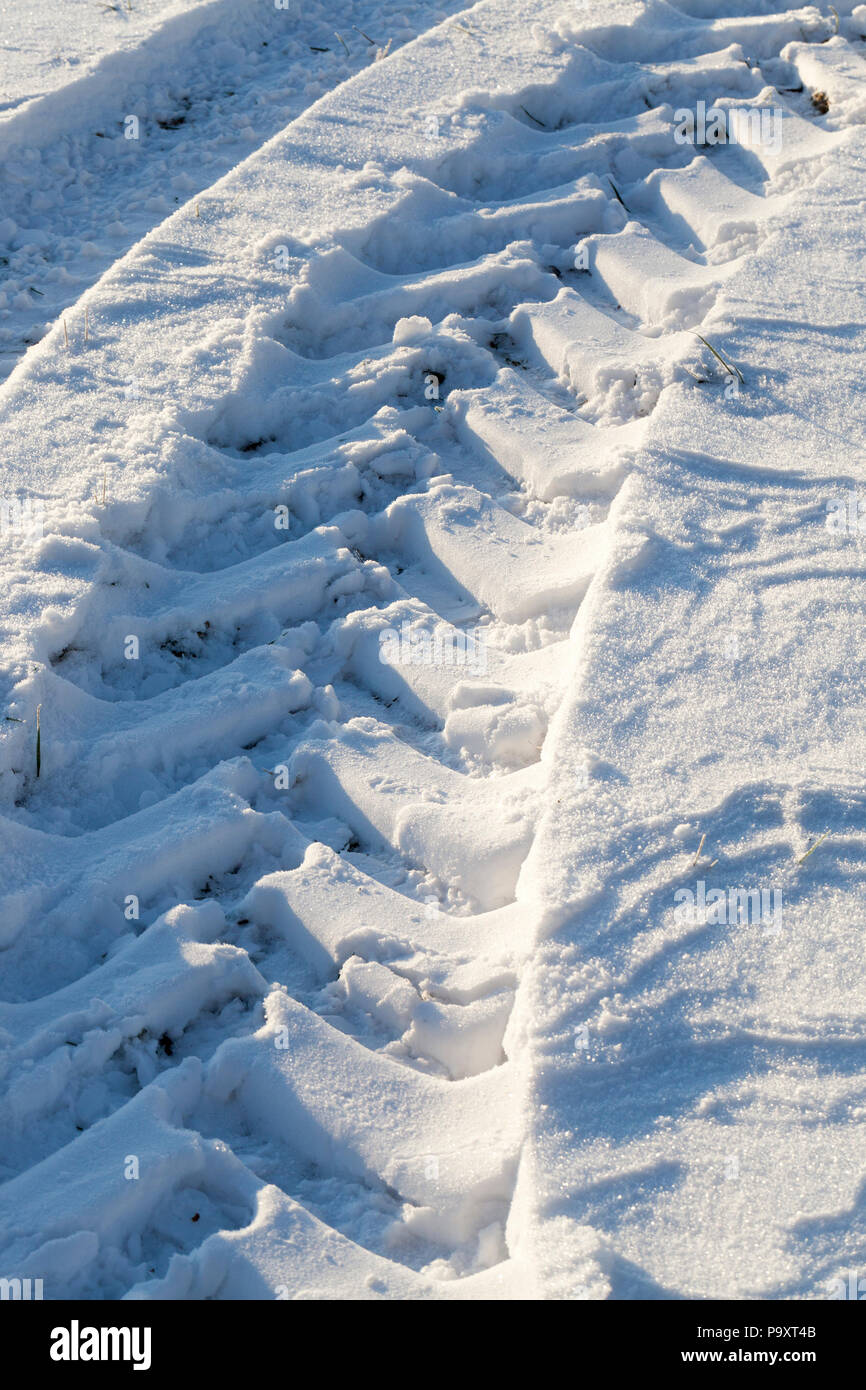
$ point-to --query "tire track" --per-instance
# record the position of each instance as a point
(90, 169)
(351, 1042)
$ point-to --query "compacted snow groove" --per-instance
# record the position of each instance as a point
(91, 167)
(296, 685)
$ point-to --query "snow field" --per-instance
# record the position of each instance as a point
(328, 976)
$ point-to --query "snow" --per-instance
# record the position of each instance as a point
(431, 556)
(116, 114)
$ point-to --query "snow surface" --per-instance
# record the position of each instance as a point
(431, 557)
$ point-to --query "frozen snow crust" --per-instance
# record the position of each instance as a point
(405, 587)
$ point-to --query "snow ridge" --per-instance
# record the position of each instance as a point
(311, 623)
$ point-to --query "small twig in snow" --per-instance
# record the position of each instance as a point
(804, 857)
(616, 191)
(471, 32)
(533, 118)
(729, 367)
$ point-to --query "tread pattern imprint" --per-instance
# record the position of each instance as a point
(354, 475)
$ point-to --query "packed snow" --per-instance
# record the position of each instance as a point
(431, 593)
